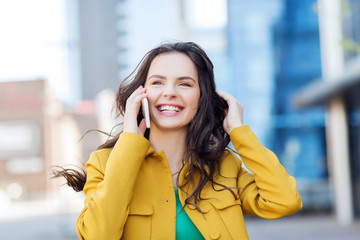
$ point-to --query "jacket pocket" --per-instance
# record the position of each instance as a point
(139, 222)
(230, 219)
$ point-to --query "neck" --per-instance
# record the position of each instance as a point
(172, 143)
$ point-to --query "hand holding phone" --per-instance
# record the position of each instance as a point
(145, 111)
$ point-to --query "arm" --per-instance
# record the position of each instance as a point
(109, 189)
(269, 192)
(110, 179)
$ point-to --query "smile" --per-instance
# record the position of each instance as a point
(169, 108)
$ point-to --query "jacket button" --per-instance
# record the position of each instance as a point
(215, 235)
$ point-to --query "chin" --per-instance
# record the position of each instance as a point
(170, 126)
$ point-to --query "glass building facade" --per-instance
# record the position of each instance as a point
(274, 47)
(351, 26)
(299, 135)
(353, 104)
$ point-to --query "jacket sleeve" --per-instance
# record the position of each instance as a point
(109, 188)
(268, 192)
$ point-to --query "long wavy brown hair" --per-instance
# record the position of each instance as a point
(206, 138)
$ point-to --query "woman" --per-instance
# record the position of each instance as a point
(180, 180)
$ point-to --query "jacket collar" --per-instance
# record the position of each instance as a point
(150, 151)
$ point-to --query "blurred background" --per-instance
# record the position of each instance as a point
(294, 65)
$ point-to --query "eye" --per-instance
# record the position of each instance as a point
(185, 84)
(156, 82)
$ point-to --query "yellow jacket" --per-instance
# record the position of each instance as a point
(130, 192)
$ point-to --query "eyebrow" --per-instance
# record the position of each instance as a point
(179, 78)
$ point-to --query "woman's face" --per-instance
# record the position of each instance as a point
(173, 91)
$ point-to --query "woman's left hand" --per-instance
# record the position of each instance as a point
(234, 115)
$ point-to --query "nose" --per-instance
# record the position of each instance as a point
(169, 91)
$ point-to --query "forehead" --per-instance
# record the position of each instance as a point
(173, 64)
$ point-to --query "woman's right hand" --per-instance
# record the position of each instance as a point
(133, 104)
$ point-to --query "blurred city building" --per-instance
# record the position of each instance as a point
(205, 23)
(115, 35)
(274, 48)
(250, 51)
(36, 134)
(264, 52)
(299, 136)
(96, 21)
(338, 90)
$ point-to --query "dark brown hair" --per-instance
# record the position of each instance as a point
(206, 138)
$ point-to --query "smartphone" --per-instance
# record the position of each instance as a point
(145, 111)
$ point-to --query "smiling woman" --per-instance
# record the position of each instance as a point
(179, 173)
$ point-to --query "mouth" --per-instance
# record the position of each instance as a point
(169, 108)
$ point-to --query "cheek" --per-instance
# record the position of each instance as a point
(193, 100)
(151, 93)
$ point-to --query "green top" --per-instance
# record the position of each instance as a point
(185, 228)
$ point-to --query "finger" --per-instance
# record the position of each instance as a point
(221, 94)
(137, 90)
(140, 97)
(135, 98)
(226, 96)
(133, 107)
(140, 90)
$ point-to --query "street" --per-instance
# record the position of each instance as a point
(299, 227)
(46, 227)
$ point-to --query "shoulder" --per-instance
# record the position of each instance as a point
(230, 163)
(98, 159)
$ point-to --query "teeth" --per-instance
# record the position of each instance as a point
(168, 108)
